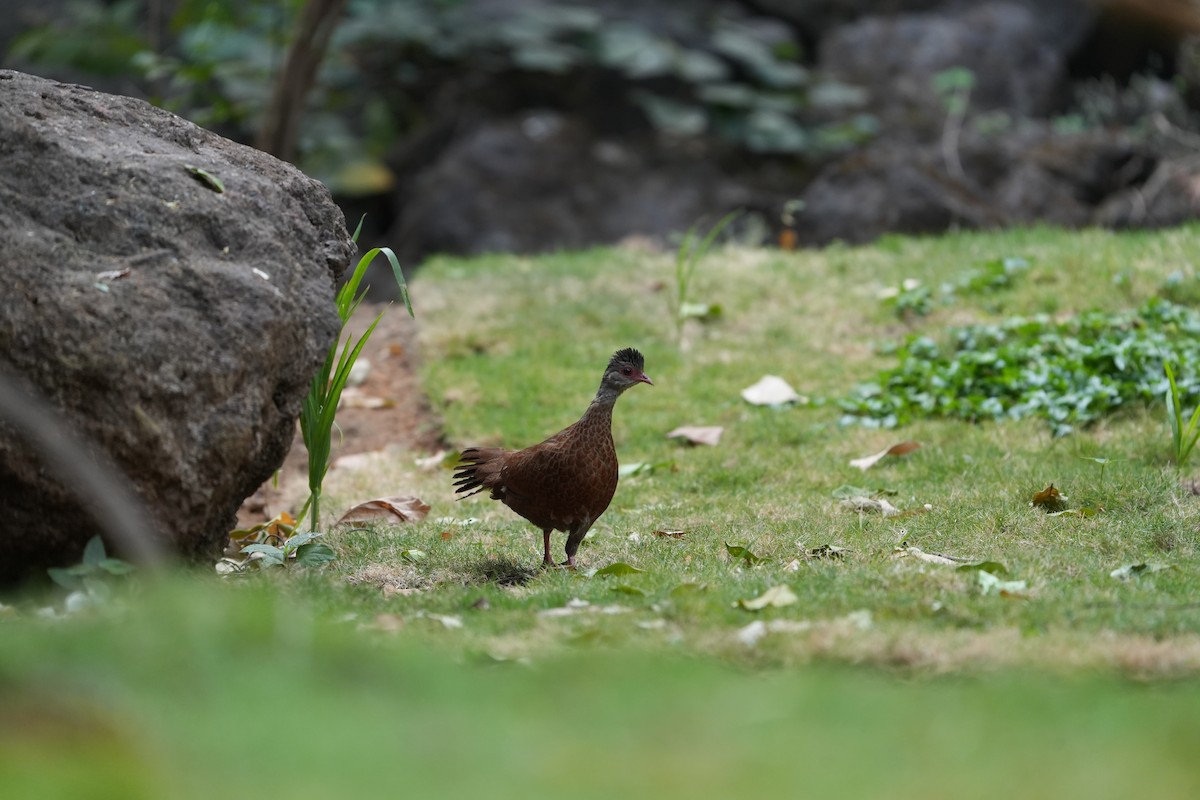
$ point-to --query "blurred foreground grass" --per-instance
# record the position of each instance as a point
(193, 690)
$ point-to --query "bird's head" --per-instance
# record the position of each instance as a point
(625, 369)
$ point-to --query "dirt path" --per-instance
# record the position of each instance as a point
(404, 421)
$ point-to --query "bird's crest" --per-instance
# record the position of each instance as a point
(628, 356)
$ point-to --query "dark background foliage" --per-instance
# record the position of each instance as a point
(483, 125)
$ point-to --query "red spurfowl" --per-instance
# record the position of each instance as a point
(566, 482)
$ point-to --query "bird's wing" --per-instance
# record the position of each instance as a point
(535, 471)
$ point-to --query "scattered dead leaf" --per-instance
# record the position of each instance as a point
(671, 534)
(694, 434)
(1049, 499)
(272, 531)
(827, 551)
(1133, 570)
(353, 397)
(391, 590)
(775, 597)
(386, 509)
(388, 623)
(438, 459)
(112, 274)
(898, 449)
(990, 584)
(869, 505)
(931, 558)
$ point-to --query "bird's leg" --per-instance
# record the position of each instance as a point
(574, 537)
(547, 559)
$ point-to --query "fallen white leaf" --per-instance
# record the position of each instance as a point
(932, 558)
(899, 449)
(354, 397)
(750, 634)
(431, 462)
(447, 620)
(456, 521)
(771, 390)
(695, 434)
(990, 584)
(776, 596)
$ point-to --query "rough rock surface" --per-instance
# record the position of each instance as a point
(174, 326)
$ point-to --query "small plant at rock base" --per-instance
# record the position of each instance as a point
(687, 258)
(320, 405)
(1183, 437)
(88, 580)
(302, 549)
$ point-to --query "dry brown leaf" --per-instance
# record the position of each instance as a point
(386, 509)
(695, 434)
(899, 449)
(1049, 499)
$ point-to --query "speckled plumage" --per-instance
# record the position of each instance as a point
(566, 482)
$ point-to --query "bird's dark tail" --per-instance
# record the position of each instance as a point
(471, 471)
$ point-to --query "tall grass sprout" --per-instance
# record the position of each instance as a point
(317, 417)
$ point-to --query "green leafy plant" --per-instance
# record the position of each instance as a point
(302, 549)
(317, 416)
(1070, 373)
(687, 259)
(90, 575)
(1183, 437)
(910, 299)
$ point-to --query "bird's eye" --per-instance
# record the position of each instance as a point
(627, 371)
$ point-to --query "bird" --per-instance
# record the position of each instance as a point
(566, 482)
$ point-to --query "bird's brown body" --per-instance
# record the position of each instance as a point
(566, 482)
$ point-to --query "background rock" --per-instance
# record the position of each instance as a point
(174, 326)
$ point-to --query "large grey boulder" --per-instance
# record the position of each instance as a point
(174, 326)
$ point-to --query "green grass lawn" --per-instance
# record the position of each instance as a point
(434, 657)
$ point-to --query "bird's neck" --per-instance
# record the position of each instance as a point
(606, 396)
(600, 411)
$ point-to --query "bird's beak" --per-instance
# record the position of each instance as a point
(644, 378)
